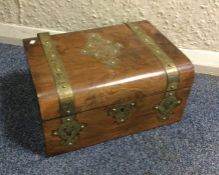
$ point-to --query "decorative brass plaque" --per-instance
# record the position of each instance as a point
(169, 102)
(102, 49)
(121, 112)
(69, 129)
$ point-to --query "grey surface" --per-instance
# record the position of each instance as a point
(188, 147)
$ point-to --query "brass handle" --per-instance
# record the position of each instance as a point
(121, 112)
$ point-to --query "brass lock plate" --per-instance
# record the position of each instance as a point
(121, 112)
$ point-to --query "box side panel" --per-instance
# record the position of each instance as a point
(42, 79)
(101, 127)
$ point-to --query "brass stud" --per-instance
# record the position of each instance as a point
(93, 35)
(172, 87)
(156, 107)
(32, 41)
(83, 126)
(132, 104)
(162, 117)
(83, 51)
(114, 109)
(70, 143)
(68, 119)
(122, 120)
(135, 27)
(68, 111)
(170, 93)
(178, 101)
(119, 45)
(55, 133)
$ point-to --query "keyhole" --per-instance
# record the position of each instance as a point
(122, 109)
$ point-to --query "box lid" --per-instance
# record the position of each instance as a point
(105, 66)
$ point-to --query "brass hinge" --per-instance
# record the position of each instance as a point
(69, 128)
(169, 101)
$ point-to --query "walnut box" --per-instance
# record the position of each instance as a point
(101, 84)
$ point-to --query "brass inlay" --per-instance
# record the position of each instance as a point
(121, 112)
(68, 130)
(169, 102)
(102, 49)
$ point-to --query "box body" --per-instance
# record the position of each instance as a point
(124, 79)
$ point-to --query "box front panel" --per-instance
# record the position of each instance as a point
(99, 125)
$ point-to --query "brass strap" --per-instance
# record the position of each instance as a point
(60, 77)
(169, 101)
(69, 129)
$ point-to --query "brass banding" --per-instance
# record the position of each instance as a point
(63, 86)
(64, 91)
(169, 101)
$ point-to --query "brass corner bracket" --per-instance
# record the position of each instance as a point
(167, 105)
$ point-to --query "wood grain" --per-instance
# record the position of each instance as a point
(140, 77)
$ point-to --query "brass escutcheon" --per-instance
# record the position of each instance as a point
(121, 112)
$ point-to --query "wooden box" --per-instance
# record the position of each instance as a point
(104, 83)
